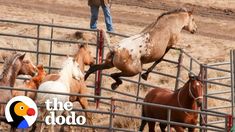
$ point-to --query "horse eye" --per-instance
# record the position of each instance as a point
(21, 107)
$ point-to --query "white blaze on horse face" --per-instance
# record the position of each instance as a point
(136, 45)
(197, 83)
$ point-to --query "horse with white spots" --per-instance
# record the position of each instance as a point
(148, 46)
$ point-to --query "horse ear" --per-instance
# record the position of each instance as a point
(85, 45)
(79, 35)
(192, 77)
(22, 56)
(4, 57)
(191, 12)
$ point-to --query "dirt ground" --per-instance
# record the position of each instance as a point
(211, 44)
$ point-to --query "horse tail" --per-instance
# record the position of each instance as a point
(143, 122)
(107, 38)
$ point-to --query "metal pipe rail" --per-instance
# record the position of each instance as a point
(115, 99)
(46, 25)
(131, 116)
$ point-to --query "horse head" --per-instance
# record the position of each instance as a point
(190, 24)
(85, 52)
(28, 68)
(196, 89)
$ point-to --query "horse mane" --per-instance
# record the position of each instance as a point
(182, 86)
(7, 64)
(178, 10)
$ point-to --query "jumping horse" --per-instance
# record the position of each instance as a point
(190, 96)
(148, 46)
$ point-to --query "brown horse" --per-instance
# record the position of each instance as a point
(190, 96)
(32, 84)
(11, 68)
(28, 68)
(83, 57)
(150, 45)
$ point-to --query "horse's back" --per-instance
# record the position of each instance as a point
(52, 86)
(158, 96)
(51, 77)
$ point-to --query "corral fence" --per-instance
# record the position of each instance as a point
(182, 63)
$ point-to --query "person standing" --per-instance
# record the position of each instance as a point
(94, 7)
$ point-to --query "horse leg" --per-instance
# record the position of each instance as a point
(107, 65)
(162, 127)
(151, 126)
(13, 129)
(191, 129)
(143, 123)
(84, 103)
(150, 69)
(116, 76)
(52, 128)
(43, 114)
(34, 127)
(179, 129)
(94, 68)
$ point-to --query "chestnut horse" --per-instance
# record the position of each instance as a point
(190, 96)
(83, 57)
(148, 46)
(32, 84)
(13, 66)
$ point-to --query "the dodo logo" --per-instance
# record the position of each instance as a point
(21, 112)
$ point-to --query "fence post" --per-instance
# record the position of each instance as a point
(111, 115)
(138, 89)
(99, 61)
(229, 122)
(37, 49)
(232, 64)
(52, 31)
(180, 60)
(168, 120)
(203, 118)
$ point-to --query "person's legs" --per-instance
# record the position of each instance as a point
(94, 17)
(108, 18)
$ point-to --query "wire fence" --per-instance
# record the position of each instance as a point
(181, 63)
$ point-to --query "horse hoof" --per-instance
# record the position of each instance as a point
(145, 76)
(114, 86)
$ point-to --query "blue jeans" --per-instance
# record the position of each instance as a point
(107, 15)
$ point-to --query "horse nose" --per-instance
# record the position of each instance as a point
(199, 103)
(35, 72)
(193, 31)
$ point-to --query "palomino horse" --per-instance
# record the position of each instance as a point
(69, 71)
(190, 96)
(32, 84)
(12, 66)
(83, 57)
(150, 45)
